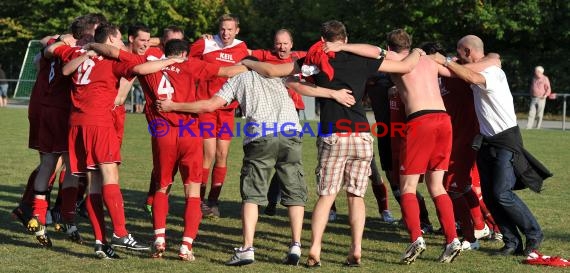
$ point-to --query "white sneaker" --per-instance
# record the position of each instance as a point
(294, 254)
(387, 217)
(466, 245)
(482, 233)
(451, 251)
(414, 250)
(186, 254)
(332, 216)
(242, 257)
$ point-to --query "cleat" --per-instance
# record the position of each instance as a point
(56, 218)
(414, 250)
(242, 257)
(387, 217)
(482, 233)
(42, 236)
(22, 213)
(158, 249)
(127, 242)
(451, 251)
(214, 211)
(294, 254)
(466, 245)
(148, 210)
(332, 216)
(498, 236)
(186, 254)
(33, 225)
(105, 251)
(72, 233)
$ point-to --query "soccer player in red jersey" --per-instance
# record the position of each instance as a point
(224, 50)
(94, 146)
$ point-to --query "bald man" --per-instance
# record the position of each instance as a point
(539, 91)
(501, 140)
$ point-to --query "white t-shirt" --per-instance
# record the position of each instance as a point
(494, 103)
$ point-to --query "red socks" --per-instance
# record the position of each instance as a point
(114, 202)
(462, 215)
(40, 209)
(444, 209)
(411, 214)
(218, 178)
(159, 213)
(381, 195)
(94, 206)
(475, 210)
(192, 218)
(68, 201)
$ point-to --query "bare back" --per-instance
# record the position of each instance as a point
(419, 89)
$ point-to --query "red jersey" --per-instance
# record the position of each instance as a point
(213, 51)
(271, 57)
(458, 99)
(95, 85)
(59, 93)
(177, 82)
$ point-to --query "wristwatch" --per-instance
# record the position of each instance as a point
(447, 61)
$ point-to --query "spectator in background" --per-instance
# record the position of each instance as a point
(539, 90)
(138, 97)
(3, 88)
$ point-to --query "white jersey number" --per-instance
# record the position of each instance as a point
(83, 72)
(51, 71)
(165, 87)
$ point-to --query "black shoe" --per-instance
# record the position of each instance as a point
(127, 242)
(508, 251)
(104, 251)
(72, 233)
(22, 213)
(271, 209)
(532, 245)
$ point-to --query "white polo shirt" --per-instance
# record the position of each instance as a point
(494, 103)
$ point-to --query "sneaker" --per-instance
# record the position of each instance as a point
(42, 237)
(332, 216)
(466, 245)
(271, 209)
(294, 254)
(242, 257)
(451, 251)
(72, 233)
(148, 210)
(56, 218)
(105, 251)
(482, 233)
(498, 236)
(387, 217)
(23, 213)
(186, 254)
(214, 211)
(158, 248)
(127, 242)
(414, 250)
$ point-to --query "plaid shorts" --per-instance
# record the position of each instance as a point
(344, 161)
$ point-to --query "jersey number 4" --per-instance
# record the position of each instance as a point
(83, 72)
(165, 87)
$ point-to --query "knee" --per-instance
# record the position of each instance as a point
(504, 198)
(221, 154)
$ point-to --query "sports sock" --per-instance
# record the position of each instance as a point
(94, 206)
(475, 210)
(40, 209)
(160, 212)
(463, 216)
(381, 195)
(114, 203)
(444, 209)
(218, 178)
(424, 214)
(192, 218)
(68, 201)
(411, 214)
(205, 176)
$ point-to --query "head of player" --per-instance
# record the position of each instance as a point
(139, 38)
(399, 40)
(470, 49)
(83, 27)
(176, 48)
(171, 33)
(109, 34)
(228, 25)
(283, 43)
(334, 31)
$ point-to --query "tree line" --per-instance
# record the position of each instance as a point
(526, 33)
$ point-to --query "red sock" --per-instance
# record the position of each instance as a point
(68, 201)
(192, 218)
(94, 206)
(475, 210)
(159, 213)
(462, 215)
(444, 209)
(114, 202)
(381, 195)
(411, 214)
(28, 196)
(40, 209)
(218, 178)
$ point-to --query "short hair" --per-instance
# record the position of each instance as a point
(333, 30)
(228, 17)
(172, 29)
(176, 47)
(96, 18)
(398, 40)
(105, 30)
(134, 29)
(433, 47)
(284, 30)
(539, 69)
(79, 26)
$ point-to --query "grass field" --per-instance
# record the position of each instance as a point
(382, 246)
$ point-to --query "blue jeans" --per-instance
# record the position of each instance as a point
(497, 183)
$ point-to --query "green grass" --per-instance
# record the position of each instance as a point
(382, 246)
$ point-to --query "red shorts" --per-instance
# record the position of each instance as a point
(459, 176)
(53, 131)
(427, 144)
(172, 151)
(33, 136)
(119, 114)
(90, 146)
(218, 124)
